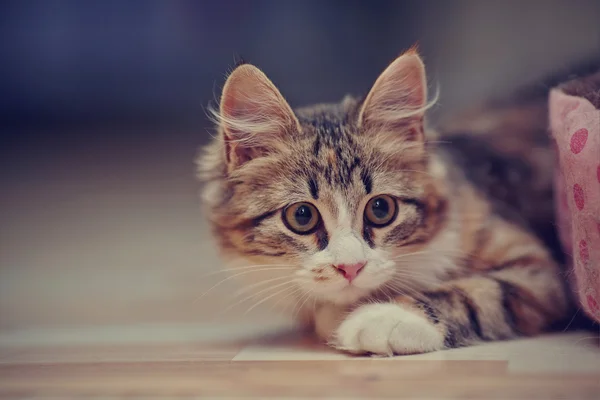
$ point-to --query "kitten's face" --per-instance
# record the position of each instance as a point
(331, 196)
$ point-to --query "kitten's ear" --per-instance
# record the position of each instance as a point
(254, 117)
(398, 98)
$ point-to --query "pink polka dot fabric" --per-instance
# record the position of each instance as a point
(575, 125)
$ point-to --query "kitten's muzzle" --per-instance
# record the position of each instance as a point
(350, 271)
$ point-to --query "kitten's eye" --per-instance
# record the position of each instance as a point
(301, 218)
(381, 210)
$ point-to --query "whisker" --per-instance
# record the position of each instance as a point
(414, 293)
(301, 298)
(572, 319)
(409, 264)
(265, 299)
(234, 276)
(412, 254)
(225, 270)
(421, 276)
(437, 252)
(410, 273)
(258, 294)
(386, 293)
(248, 288)
(408, 269)
(302, 305)
(290, 294)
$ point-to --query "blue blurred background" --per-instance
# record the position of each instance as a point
(101, 115)
(93, 61)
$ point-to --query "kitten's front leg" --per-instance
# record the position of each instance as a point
(520, 300)
(387, 329)
(381, 328)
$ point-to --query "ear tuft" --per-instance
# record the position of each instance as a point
(413, 50)
(239, 61)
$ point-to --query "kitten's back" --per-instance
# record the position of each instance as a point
(505, 150)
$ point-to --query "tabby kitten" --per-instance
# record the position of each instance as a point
(384, 239)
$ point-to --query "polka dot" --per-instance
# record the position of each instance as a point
(578, 140)
(592, 303)
(584, 253)
(578, 196)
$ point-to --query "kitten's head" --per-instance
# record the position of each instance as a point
(339, 194)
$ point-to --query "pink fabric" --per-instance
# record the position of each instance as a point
(575, 125)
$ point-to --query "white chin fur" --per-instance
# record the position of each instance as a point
(346, 296)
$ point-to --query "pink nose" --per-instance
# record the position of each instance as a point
(350, 271)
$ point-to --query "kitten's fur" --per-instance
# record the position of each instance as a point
(458, 265)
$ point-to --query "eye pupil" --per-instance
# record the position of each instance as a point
(303, 215)
(380, 208)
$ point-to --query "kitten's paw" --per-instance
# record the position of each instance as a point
(387, 329)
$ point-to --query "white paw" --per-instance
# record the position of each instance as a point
(387, 329)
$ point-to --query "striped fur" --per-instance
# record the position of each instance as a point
(460, 264)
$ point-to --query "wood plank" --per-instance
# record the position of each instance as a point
(368, 378)
(174, 352)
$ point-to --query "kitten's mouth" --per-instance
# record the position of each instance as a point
(350, 293)
(351, 288)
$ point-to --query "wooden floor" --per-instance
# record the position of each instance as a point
(291, 365)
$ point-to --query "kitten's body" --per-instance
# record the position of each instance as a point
(458, 264)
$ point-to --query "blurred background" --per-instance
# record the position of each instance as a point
(102, 113)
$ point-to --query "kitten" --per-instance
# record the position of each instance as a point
(387, 242)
